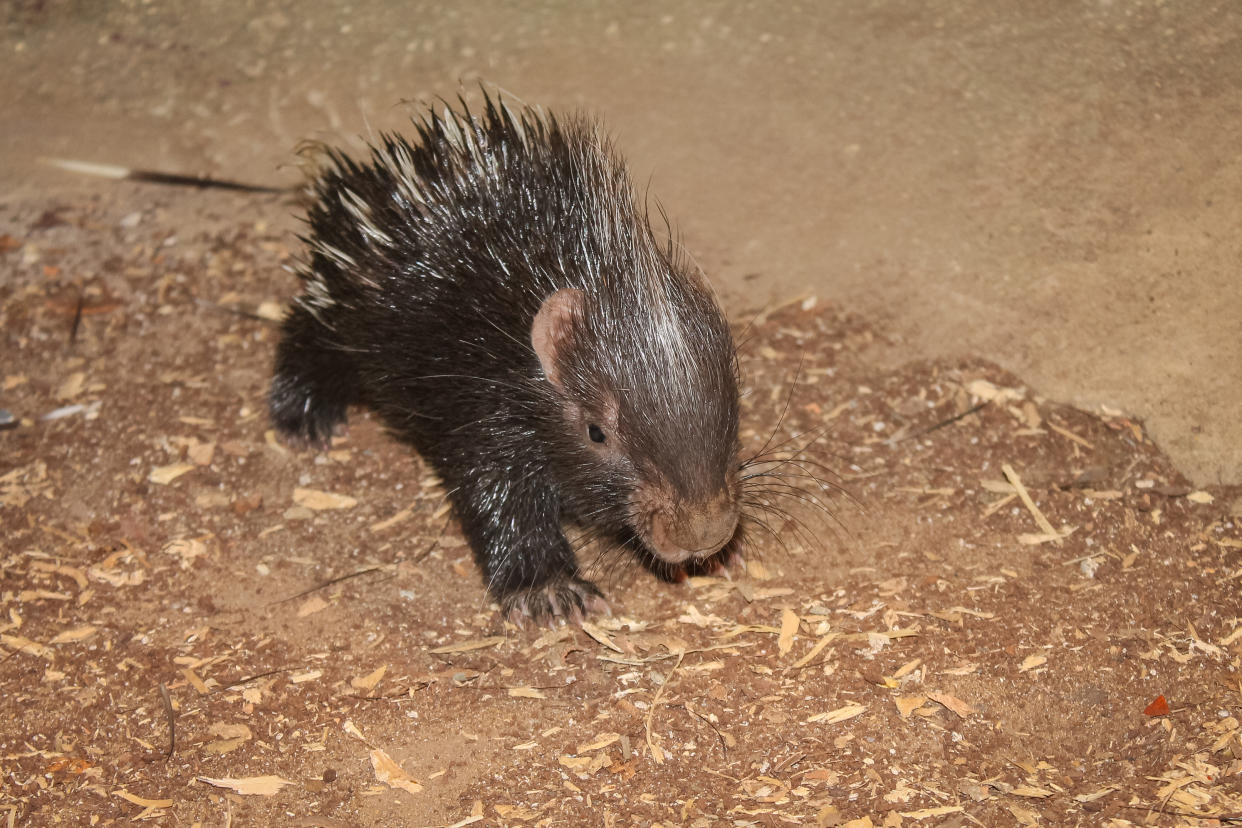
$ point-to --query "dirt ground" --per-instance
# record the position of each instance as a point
(996, 255)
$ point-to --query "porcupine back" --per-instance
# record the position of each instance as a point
(428, 266)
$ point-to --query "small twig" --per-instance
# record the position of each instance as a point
(236, 311)
(172, 720)
(77, 317)
(326, 584)
(724, 745)
(944, 423)
(256, 677)
(434, 544)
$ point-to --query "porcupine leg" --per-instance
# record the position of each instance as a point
(517, 541)
(313, 383)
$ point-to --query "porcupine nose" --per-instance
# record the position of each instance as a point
(698, 530)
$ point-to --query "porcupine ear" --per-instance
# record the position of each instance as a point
(552, 329)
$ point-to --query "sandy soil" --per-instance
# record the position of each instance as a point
(1025, 215)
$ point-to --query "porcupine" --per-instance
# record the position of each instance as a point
(496, 295)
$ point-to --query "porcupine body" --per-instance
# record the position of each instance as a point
(495, 294)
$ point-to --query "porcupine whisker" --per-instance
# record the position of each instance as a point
(769, 500)
(778, 486)
(799, 459)
(801, 530)
(799, 467)
(763, 524)
(798, 496)
(776, 481)
(784, 412)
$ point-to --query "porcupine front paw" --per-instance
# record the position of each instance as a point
(565, 598)
(314, 384)
(299, 417)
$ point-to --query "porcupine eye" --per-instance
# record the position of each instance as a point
(596, 433)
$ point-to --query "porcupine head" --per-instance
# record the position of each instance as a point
(642, 370)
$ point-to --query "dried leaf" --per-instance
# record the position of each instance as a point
(1158, 707)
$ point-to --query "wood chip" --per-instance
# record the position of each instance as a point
(1012, 477)
(953, 703)
(823, 642)
(908, 704)
(72, 386)
(600, 636)
(392, 774)
(369, 681)
(163, 475)
(76, 634)
(194, 681)
(141, 802)
(388, 523)
(312, 605)
(601, 741)
(25, 645)
(1031, 662)
(841, 714)
(467, 646)
(526, 693)
(319, 501)
(927, 813)
(1065, 432)
(789, 627)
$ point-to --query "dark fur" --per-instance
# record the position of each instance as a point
(427, 266)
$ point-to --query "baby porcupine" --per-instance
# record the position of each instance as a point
(496, 295)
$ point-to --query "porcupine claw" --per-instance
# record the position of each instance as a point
(569, 600)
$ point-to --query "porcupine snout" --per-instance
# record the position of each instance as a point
(694, 531)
